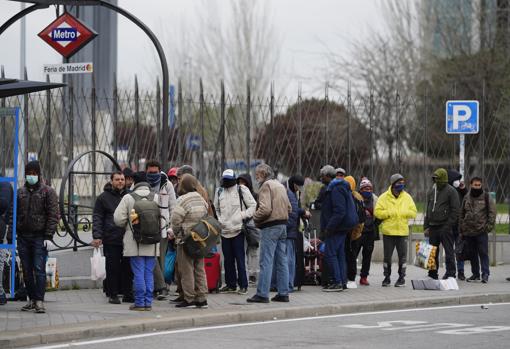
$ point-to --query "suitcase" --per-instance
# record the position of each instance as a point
(212, 266)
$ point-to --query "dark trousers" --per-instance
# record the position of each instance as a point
(480, 246)
(443, 235)
(119, 277)
(32, 254)
(460, 264)
(366, 241)
(389, 244)
(334, 256)
(234, 256)
(350, 258)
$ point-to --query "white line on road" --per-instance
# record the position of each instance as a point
(198, 329)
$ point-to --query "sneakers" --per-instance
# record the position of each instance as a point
(446, 276)
(226, 289)
(3, 299)
(280, 298)
(148, 308)
(364, 281)
(386, 282)
(162, 294)
(473, 278)
(401, 282)
(202, 305)
(177, 300)
(485, 279)
(257, 299)
(507, 279)
(461, 276)
(334, 288)
(135, 307)
(114, 300)
(186, 304)
(39, 307)
(243, 290)
(29, 306)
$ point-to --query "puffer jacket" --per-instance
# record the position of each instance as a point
(103, 226)
(338, 213)
(395, 212)
(273, 207)
(37, 212)
(475, 217)
(231, 215)
(190, 209)
(442, 204)
(121, 218)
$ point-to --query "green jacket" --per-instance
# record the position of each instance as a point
(442, 203)
(475, 217)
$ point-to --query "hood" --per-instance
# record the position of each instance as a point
(442, 176)
(142, 189)
(339, 182)
(352, 182)
(453, 176)
(246, 177)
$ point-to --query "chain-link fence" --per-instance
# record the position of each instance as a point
(367, 134)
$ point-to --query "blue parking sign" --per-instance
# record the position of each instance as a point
(462, 117)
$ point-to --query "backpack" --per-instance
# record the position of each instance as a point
(148, 230)
(360, 211)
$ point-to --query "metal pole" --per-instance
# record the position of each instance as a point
(137, 125)
(372, 149)
(93, 98)
(349, 109)
(180, 111)
(3, 129)
(326, 133)
(162, 153)
(268, 151)
(49, 174)
(202, 132)
(248, 125)
(25, 122)
(300, 132)
(397, 110)
(462, 149)
(425, 141)
(222, 126)
(115, 117)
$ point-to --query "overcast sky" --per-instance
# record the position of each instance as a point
(307, 28)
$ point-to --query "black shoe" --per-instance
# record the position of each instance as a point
(280, 298)
(127, 299)
(136, 307)
(257, 299)
(202, 305)
(386, 282)
(461, 276)
(39, 307)
(485, 279)
(114, 300)
(401, 282)
(226, 289)
(446, 276)
(29, 306)
(3, 299)
(162, 295)
(185, 304)
(473, 278)
(334, 288)
(179, 299)
(148, 308)
(243, 290)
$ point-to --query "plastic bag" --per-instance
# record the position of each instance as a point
(425, 255)
(52, 279)
(97, 266)
(169, 265)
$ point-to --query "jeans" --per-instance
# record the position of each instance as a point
(143, 280)
(389, 244)
(460, 264)
(443, 235)
(290, 248)
(119, 277)
(334, 256)
(273, 250)
(480, 246)
(234, 256)
(32, 254)
(366, 241)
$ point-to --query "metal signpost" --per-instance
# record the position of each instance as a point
(12, 113)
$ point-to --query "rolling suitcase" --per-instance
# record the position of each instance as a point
(212, 267)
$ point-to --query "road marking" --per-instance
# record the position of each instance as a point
(476, 330)
(199, 329)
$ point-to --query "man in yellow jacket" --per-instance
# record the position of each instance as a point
(394, 209)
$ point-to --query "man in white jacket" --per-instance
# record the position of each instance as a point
(233, 204)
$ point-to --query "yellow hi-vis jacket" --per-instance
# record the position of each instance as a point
(395, 212)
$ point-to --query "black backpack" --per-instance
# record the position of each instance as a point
(148, 229)
(360, 210)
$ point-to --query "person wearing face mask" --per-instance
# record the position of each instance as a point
(477, 219)
(455, 180)
(441, 215)
(159, 184)
(36, 221)
(395, 208)
(366, 242)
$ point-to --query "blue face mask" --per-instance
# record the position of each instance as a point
(32, 180)
(366, 194)
(399, 187)
(153, 179)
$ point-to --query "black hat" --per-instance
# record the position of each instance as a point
(139, 176)
(128, 172)
(33, 166)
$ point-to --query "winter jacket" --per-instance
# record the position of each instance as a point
(475, 217)
(37, 212)
(273, 206)
(294, 215)
(338, 213)
(6, 194)
(229, 211)
(320, 198)
(369, 206)
(190, 209)
(442, 204)
(103, 226)
(395, 212)
(167, 201)
(121, 218)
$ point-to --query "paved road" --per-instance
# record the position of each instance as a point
(471, 326)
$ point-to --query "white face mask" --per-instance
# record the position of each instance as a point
(456, 183)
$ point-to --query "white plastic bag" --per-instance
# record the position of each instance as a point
(97, 266)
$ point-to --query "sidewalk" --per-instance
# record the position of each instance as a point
(79, 314)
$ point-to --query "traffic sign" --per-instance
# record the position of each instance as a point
(462, 117)
(67, 34)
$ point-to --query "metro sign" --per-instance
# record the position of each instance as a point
(67, 34)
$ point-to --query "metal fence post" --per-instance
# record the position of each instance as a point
(371, 121)
(222, 127)
(271, 125)
(426, 143)
(300, 132)
(115, 117)
(326, 126)
(3, 129)
(180, 111)
(397, 112)
(25, 118)
(137, 125)
(94, 136)
(202, 176)
(161, 153)
(248, 125)
(349, 110)
(48, 164)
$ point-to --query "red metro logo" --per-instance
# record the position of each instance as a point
(67, 35)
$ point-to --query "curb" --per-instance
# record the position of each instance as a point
(104, 328)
